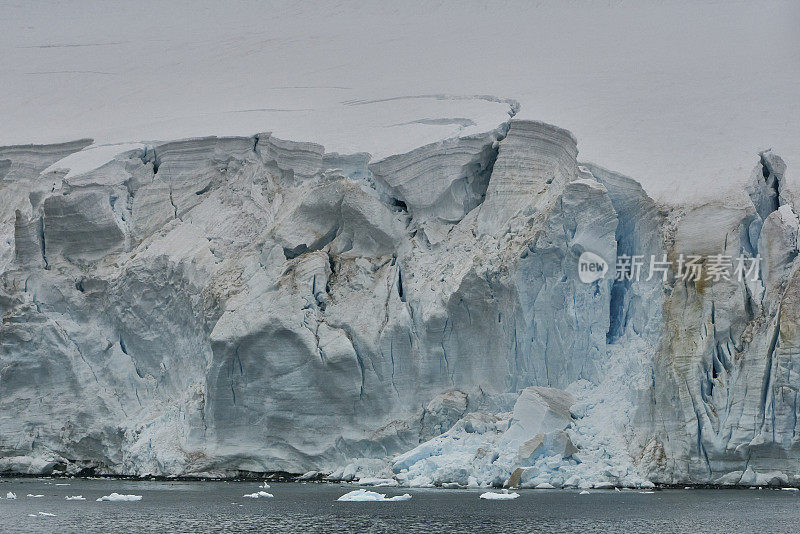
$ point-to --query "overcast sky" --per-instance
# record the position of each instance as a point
(680, 95)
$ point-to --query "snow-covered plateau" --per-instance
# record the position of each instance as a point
(233, 305)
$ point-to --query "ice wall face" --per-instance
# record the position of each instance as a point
(723, 407)
(221, 305)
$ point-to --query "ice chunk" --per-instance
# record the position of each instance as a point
(362, 495)
(74, 498)
(116, 497)
(10, 495)
(34, 496)
(258, 495)
(47, 514)
(499, 496)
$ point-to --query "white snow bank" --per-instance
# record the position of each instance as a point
(257, 495)
(362, 495)
(74, 498)
(299, 71)
(501, 496)
(116, 497)
(90, 158)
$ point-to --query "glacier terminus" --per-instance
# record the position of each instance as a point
(230, 306)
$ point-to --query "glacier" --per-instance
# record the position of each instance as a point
(235, 306)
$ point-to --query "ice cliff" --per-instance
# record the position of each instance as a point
(217, 306)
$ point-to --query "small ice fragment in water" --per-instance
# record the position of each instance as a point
(495, 496)
(34, 496)
(10, 495)
(257, 495)
(362, 495)
(584, 492)
(264, 486)
(47, 514)
(74, 498)
(116, 497)
(789, 489)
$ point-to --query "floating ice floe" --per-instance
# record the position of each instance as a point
(362, 495)
(789, 489)
(74, 498)
(10, 495)
(584, 492)
(47, 514)
(264, 486)
(34, 496)
(258, 495)
(499, 496)
(64, 484)
(116, 497)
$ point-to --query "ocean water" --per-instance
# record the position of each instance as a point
(220, 506)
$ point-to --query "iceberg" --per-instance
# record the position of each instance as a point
(116, 497)
(362, 495)
(257, 495)
(499, 496)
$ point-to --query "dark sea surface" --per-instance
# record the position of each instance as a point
(221, 507)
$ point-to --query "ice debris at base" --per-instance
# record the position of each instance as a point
(499, 496)
(362, 495)
(419, 314)
(74, 498)
(116, 497)
(378, 482)
(257, 495)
